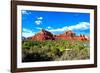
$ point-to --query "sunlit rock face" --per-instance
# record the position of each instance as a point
(43, 35)
(68, 35)
(82, 38)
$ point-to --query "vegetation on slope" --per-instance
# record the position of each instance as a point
(57, 50)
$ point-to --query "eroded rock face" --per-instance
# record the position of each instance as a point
(81, 38)
(43, 35)
(68, 35)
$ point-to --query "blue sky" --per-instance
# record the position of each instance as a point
(55, 22)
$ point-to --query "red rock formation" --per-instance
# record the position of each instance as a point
(68, 35)
(81, 38)
(43, 35)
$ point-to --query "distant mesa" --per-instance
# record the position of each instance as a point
(68, 35)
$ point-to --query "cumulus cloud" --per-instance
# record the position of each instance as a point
(40, 18)
(38, 22)
(82, 26)
(79, 26)
(27, 32)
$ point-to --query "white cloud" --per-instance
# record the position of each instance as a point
(25, 12)
(38, 22)
(27, 32)
(40, 18)
(49, 27)
(58, 29)
(80, 26)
